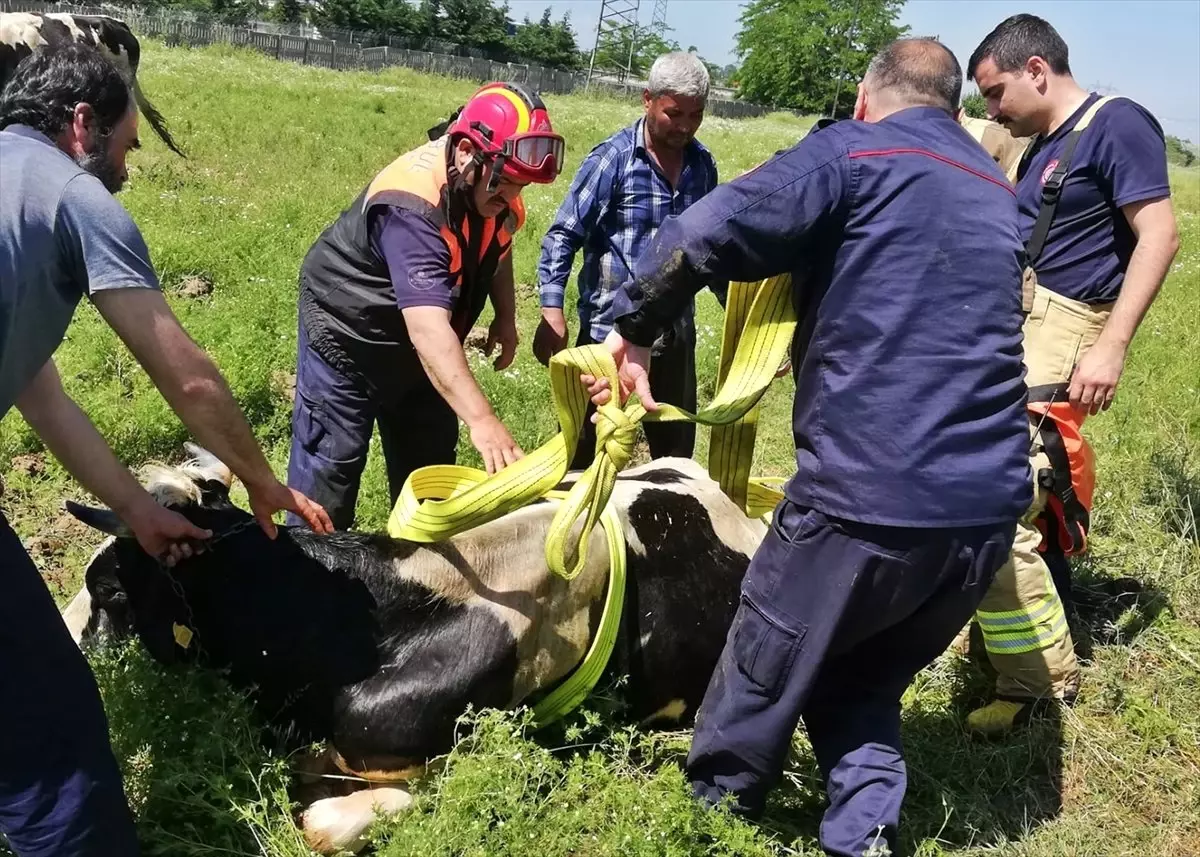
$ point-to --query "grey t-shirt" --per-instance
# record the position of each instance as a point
(62, 236)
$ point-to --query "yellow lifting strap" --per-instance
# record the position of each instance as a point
(440, 501)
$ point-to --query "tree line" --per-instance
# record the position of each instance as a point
(483, 25)
(803, 54)
(479, 24)
(1179, 152)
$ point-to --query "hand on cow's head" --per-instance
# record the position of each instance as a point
(125, 578)
(177, 510)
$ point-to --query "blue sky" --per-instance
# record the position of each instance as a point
(1146, 49)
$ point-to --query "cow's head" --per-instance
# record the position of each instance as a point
(127, 588)
(293, 626)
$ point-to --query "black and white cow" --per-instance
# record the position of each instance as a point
(21, 33)
(377, 645)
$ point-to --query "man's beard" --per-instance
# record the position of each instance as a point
(102, 168)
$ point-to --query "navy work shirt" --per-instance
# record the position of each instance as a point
(903, 242)
(1121, 159)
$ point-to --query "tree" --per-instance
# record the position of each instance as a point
(287, 11)
(1180, 152)
(430, 17)
(809, 54)
(975, 105)
(648, 46)
(546, 43)
(398, 18)
(476, 24)
(231, 11)
(345, 15)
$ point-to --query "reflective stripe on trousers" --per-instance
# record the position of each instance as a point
(1022, 617)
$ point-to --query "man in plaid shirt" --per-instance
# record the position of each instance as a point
(624, 190)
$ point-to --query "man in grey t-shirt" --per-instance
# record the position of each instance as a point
(67, 120)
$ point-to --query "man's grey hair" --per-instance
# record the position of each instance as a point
(917, 72)
(678, 73)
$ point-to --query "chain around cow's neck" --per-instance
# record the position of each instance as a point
(185, 633)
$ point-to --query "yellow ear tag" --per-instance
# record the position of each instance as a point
(183, 635)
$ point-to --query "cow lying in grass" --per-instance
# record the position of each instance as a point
(21, 33)
(377, 645)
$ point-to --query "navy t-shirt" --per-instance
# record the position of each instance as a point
(1121, 158)
(903, 242)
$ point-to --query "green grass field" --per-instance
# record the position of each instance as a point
(276, 151)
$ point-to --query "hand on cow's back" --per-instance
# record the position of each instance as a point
(495, 444)
(275, 497)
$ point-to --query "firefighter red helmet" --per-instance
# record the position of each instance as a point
(510, 127)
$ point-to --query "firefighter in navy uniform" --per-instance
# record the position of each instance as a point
(389, 292)
(901, 235)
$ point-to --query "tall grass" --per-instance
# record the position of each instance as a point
(276, 152)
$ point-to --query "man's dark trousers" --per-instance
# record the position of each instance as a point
(333, 416)
(673, 380)
(60, 788)
(835, 620)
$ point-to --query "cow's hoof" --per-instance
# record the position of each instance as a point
(338, 824)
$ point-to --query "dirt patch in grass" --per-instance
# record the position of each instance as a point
(31, 464)
(194, 286)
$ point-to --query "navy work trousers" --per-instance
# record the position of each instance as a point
(60, 787)
(332, 419)
(835, 620)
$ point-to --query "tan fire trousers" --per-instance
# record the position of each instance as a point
(1022, 618)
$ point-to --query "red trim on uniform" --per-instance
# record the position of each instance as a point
(936, 157)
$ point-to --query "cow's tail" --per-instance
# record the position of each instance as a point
(155, 118)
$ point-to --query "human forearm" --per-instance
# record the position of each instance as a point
(71, 437)
(206, 406)
(582, 210)
(554, 269)
(667, 277)
(1095, 378)
(188, 380)
(74, 441)
(758, 225)
(1148, 267)
(503, 292)
(445, 363)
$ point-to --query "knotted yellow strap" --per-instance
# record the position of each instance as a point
(438, 502)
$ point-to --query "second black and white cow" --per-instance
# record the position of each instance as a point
(21, 33)
(377, 645)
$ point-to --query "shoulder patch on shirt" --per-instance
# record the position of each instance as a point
(426, 277)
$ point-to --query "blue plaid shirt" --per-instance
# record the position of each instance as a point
(616, 203)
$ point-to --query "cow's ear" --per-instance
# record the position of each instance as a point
(104, 520)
